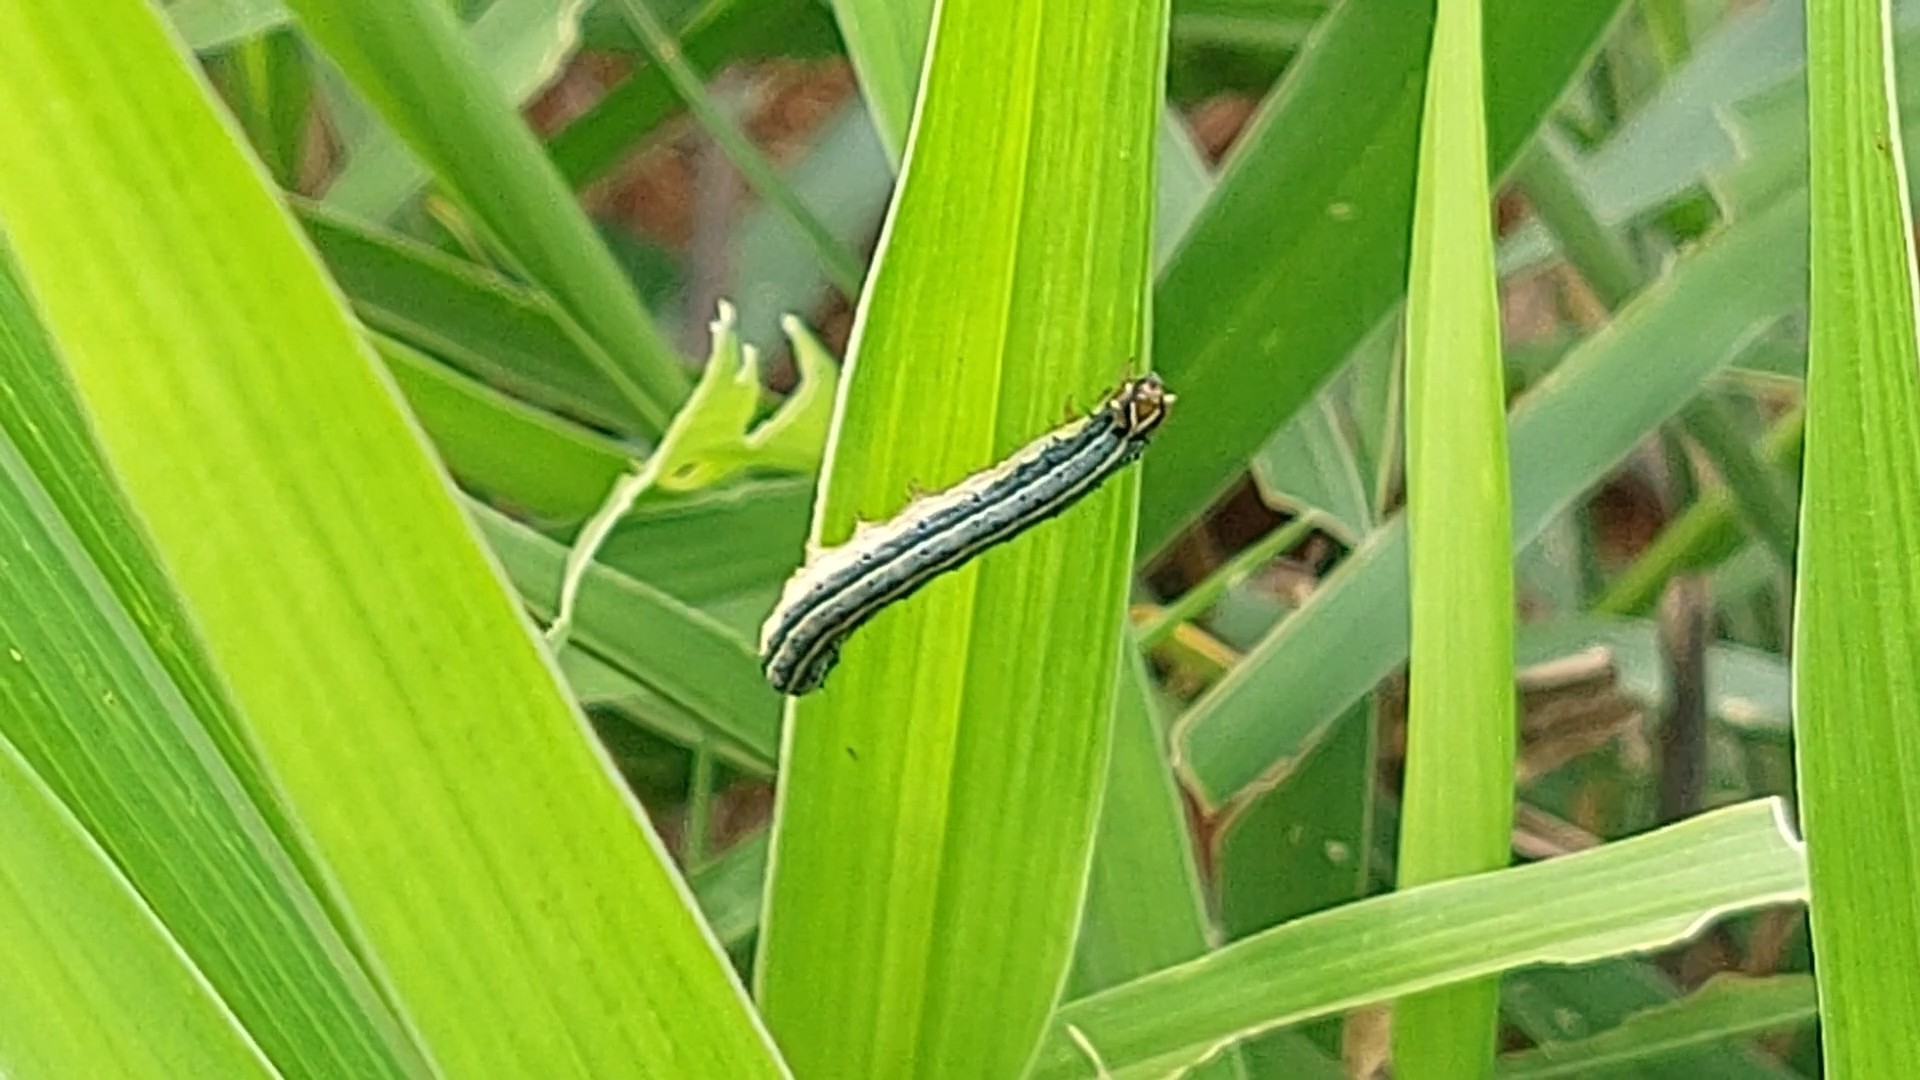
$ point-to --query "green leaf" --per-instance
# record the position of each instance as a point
(729, 889)
(714, 438)
(96, 986)
(268, 82)
(741, 540)
(1856, 643)
(703, 670)
(1682, 137)
(1302, 847)
(105, 694)
(1248, 24)
(521, 44)
(1631, 896)
(1231, 575)
(207, 25)
(1145, 908)
(498, 331)
(1310, 468)
(1604, 256)
(1012, 284)
(1183, 182)
(1457, 802)
(390, 690)
(1732, 120)
(1764, 499)
(1297, 257)
(1615, 387)
(408, 58)
(1727, 1008)
(519, 455)
(887, 40)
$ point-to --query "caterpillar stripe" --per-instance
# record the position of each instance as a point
(841, 588)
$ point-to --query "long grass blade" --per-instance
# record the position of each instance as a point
(1616, 387)
(510, 900)
(95, 986)
(917, 923)
(1457, 805)
(1857, 641)
(1633, 895)
(1297, 257)
(522, 45)
(111, 701)
(407, 57)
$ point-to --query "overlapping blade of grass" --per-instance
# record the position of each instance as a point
(1298, 256)
(510, 335)
(541, 465)
(507, 896)
(1763, 497)
(1724, 1010)
(729, 545)
(1857, 642)
(521, 44)
(268, 83)
(108, 699)
(1145, 907)
(1604, 256)
(1457, 803)
(408, 58)
(1562, 1006)
(1680, 136)
(1310, 468)
(719, 545)
(1305, 846)
(95, 986)
(1248, 24)
(1614, 388)
(206, 25)
(675, 651)
(886, 40)
(1752, 70)
(938, 797)
(1631, 896)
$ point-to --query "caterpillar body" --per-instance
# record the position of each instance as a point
(841, 588)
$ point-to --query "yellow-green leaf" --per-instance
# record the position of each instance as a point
(939, 795)
(1457, 805)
